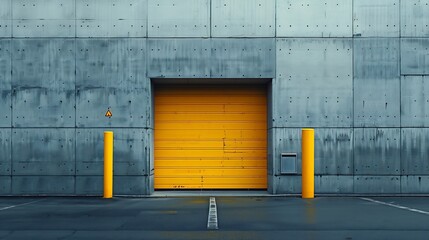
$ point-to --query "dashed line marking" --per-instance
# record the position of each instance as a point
(212, 223)
(19, 205)
(396, 206)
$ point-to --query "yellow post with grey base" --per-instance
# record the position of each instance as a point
(108, 165)
(307, 163)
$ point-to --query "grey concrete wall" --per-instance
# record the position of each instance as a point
(355, 70)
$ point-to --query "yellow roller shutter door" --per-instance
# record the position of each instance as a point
(210, 137)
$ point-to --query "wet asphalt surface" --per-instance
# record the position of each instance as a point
(238, 218)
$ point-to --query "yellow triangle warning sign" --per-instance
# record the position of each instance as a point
(108, 113)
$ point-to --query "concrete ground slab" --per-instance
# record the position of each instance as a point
(256, 217)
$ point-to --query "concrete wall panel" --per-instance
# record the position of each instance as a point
(43, 18)
(43, 185)
(131, 185)
(5, 185)
(415, 101)
(333, 149)
(377, 151)
(272, 135)
(43, 63)
(41, 107)
(377, 184)
(131, 155)
(376, 18)
(333, 184)
(415, 56)
(414, 18)
(111, 28)
(122, 185)
(291, 184)
(243, 18)
(112, 73)
(415, 151)
(167, 18)
(415, 184)
(6, 9)
(331, 18)
(43, 83)
(5, 28)
(376, 83)
(5, 152)
(6, 18)
(5, 83)
(111, 9)
(47, 152)
(43, 9)
(90, 185)
(130, 108)
(178, 58)
(243, 58)
(43, 28)
(114, 63)
(111, 18)
(313, 87)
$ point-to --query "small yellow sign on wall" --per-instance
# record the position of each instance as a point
(108, 113)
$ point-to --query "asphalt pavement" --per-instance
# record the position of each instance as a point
(237, 218)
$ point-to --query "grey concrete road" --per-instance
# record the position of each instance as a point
(238, 218)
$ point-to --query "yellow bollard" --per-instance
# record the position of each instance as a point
(307, 163)
(108, 165)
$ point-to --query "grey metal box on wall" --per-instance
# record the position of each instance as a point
(415, 151)
(376, 18)
(414, 18)
(415, 56)
(111, 73)
(47, 151)
(288, 163)
(243, 18)
(43, 82)
(243, 58)
(111, 18)
(377, 151)
(329, 18)
(179, 18)
(415, 101)
(5, 83)
(313, 72)
(6, 18)
(376, 82)
(5, 151)
(131, 155)
(43, 18)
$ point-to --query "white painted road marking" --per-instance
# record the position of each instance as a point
(396, 206)
(22, 204)
(212, 219)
